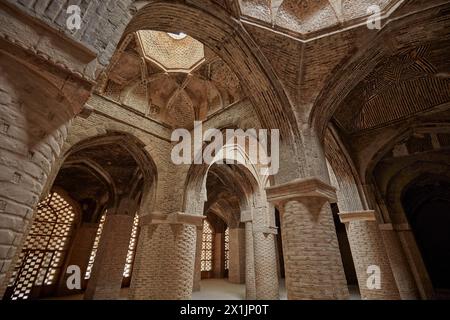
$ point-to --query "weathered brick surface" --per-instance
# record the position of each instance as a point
(267, 286)
(313, 264)
(34, 120)
(164, 262)
(102, 24)
(368, 249)
(236, 272)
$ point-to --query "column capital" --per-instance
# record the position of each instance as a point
(171, 218)
(301, 188)
(362, 215)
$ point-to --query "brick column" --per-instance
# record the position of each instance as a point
(250, 284)
(266, 274)
(313, 263)
(400, 268)
(165, 257)
(236, 265)
(219, 255)
(107, 272)
(198, 259)
(79, 254)
(367, 246)
(414, 257)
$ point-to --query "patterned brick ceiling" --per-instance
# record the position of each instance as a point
(308, 16)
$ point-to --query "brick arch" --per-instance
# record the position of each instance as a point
(341, 167)
(195, 186)
(135, 145)
(35, 120)
(399, 182)
(380, 150)
(210, 24)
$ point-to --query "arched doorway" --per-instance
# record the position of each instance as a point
(90, 215)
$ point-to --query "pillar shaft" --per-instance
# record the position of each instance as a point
(266, 275)
(236, 265)
(107, 273)
(218, 255)
(250, 284)
(368, 250)
(416, 262)
(198, 259)
(165, 257)
(399, 264)
(313, 264)
(80, 253)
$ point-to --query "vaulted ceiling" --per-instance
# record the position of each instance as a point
(408, 83)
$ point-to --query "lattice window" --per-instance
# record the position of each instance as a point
(207, 247)
(131, 248)
(45, 247)
(87, 275)
(227, 248)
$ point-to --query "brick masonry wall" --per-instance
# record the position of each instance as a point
(313, 264)
(107, 272)
(34, 119)
(102, 25)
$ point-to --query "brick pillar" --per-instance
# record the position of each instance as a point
(266, 274)
(219, 256)
(236, 265)
(367, 246)
(79, 254)
(107, 272)
(198, 259)
(165, 257)
(250, 282)
(400, 268)
(313, 264)
(414, 257)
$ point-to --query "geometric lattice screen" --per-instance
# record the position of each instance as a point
(43, 253)
(227, 248)
(207, 247)
(87, 275)
(131, 248)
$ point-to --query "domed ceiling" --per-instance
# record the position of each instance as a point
(171, 78)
